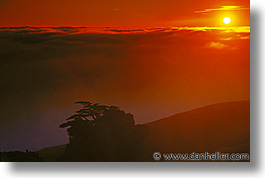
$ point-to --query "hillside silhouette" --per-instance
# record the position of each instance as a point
(113, 135)
(223, 127)
(19, 156)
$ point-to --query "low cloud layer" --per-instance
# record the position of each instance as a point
(217, 45)
(223, 8)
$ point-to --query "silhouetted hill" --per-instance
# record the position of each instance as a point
(51, 154)
(19, 156)
(223, 127)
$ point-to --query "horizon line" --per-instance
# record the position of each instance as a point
(120, 30)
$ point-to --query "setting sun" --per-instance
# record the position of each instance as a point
(227, 20)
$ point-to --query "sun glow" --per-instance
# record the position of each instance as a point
(227, 20)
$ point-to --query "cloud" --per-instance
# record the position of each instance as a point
(244, 37)
(238, 36)
(236, 29)
(216, 45)
(227, 38)
(223, 8)
(114, 30)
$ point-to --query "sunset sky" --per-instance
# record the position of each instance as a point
(129, 13)
(153, 58)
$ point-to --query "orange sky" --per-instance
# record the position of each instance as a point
(129, 13)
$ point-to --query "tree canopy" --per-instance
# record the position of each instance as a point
(101, 133)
